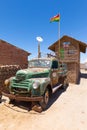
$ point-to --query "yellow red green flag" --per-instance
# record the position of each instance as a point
(55, 18)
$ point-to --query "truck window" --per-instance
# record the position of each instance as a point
(55, 65)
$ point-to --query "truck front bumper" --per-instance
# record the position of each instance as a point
(21, 98)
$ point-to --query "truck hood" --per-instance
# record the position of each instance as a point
(32, 73)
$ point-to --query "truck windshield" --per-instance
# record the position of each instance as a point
(40, 63)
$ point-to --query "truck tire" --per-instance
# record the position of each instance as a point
(45, 100)
(0, 98)
(65, 83)
(11, 101)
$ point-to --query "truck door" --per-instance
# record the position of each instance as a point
(54, 73)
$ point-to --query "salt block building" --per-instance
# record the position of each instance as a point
(12, 55)
(67, 50)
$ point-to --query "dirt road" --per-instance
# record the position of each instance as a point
(67, 110)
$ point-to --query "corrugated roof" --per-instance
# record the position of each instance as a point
(82, 45)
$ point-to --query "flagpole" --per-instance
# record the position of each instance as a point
(59, 36)
(57, 19)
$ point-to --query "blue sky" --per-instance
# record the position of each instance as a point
(21, 21)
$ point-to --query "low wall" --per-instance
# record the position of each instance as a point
(6, 71)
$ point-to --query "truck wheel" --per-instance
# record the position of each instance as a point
(12, 101)
(0, 98)
(65, 83)
(45, 100)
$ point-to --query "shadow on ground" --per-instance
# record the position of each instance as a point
(27, 105)
(82, 75)
(55, 96)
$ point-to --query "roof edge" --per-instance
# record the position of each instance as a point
(15, 47)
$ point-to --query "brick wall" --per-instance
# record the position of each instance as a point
(11, 55)
(73, 72)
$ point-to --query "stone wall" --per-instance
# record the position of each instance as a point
(6, 71)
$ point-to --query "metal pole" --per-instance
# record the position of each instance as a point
(59, 37)
(39, 54)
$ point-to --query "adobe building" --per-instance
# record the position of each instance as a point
(12, 55)
(69, 49)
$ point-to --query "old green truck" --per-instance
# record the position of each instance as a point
(36, 83)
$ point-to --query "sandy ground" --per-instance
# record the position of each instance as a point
(67, 110)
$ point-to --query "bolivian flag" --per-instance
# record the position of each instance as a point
(55, 18)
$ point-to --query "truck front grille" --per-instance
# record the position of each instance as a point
(22, 87)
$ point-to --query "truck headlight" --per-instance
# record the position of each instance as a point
(36, 85)
(54, 75)
(7, 82)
